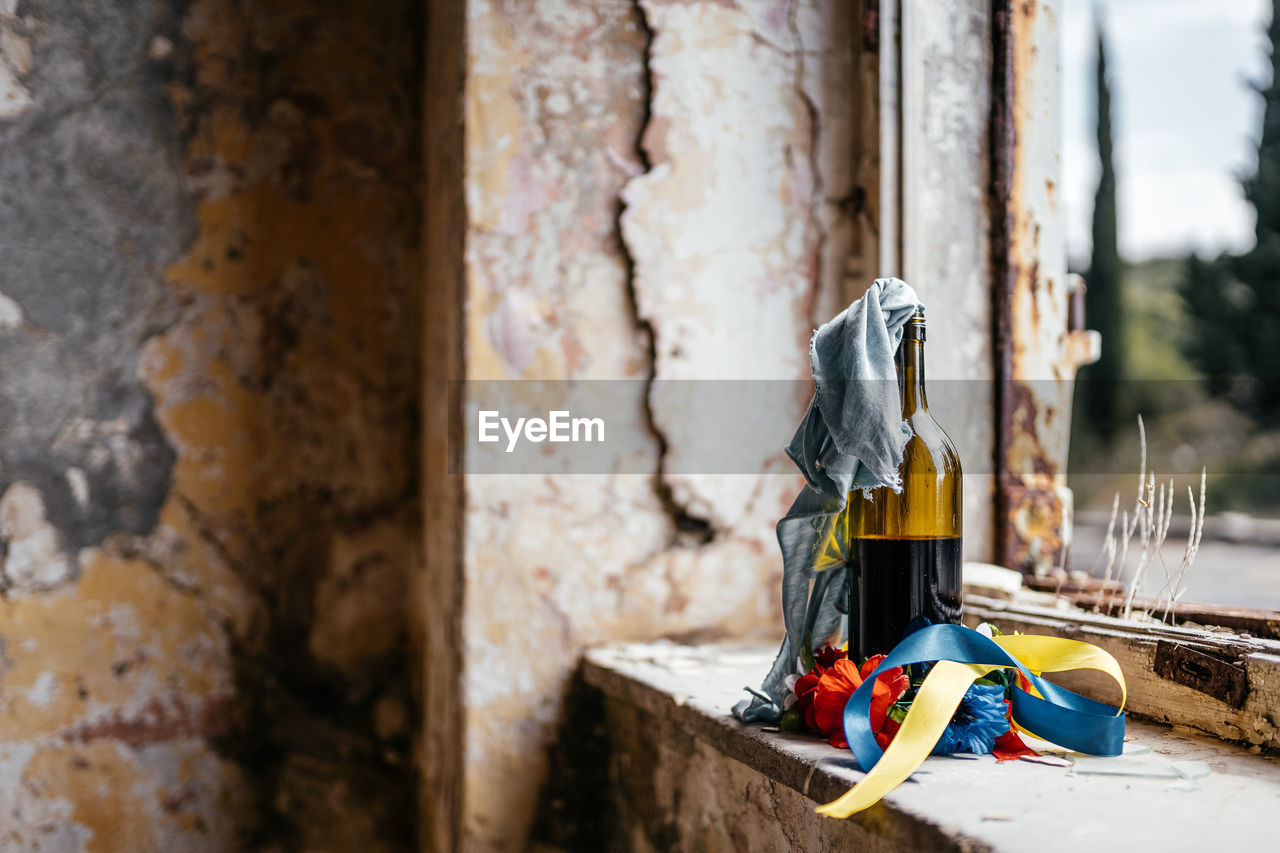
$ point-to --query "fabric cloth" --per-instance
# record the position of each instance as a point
(851, 437)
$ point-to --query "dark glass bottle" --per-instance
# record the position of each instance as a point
(904, 548)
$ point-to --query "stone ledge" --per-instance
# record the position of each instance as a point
(952, 803)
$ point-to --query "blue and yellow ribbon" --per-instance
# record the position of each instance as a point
(963, 655)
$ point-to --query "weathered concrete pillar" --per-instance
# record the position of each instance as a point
(653, 190)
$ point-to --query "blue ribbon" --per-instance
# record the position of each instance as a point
(1062, 717)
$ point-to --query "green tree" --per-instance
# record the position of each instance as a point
(1259, 268)
(1214, 345)
(1263, 188)
(1105, 278)
(1234, 302)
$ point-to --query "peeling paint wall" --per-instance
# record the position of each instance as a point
(208, 482)
(653, 190)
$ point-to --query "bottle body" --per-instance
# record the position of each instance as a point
(904, 548)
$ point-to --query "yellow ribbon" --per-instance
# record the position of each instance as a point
(939, 696)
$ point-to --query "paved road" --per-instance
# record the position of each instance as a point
(1243, 575)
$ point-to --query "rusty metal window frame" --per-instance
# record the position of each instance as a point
(1039, 344)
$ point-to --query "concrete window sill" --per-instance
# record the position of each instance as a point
(676, 749)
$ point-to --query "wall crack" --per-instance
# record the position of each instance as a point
(817, 192)
(689, 529)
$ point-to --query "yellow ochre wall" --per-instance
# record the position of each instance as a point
(208, 405)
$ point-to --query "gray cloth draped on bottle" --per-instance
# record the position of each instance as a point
(851, 437)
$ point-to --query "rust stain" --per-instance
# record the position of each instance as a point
(1030, 492)
(1025, 453)
(1226, 682)
(158, 722)
(1033, 527)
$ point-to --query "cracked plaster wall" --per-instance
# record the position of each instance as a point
(208, 524)
(654, 189)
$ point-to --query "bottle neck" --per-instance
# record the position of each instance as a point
(911, 371)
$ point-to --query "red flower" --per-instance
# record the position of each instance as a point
(1009, 746)
(890, 685)
(887, 733)
(827, 656)
(834, 689)
(805, 688)
(836, 685)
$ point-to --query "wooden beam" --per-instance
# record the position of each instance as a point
(1156, 692)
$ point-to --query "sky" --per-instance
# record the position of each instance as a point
(1184, 118)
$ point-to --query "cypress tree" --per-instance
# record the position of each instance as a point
(1214, 344)
(1259, 268)
(1263, 189)
(1233, 303)
(1103, 297)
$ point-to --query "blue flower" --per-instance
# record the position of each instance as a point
(977, 722)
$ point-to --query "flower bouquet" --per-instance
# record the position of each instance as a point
(981, 723)
(947, 689)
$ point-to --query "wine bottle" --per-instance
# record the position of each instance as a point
(904, 547)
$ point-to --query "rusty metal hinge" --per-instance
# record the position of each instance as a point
(1184, 665)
